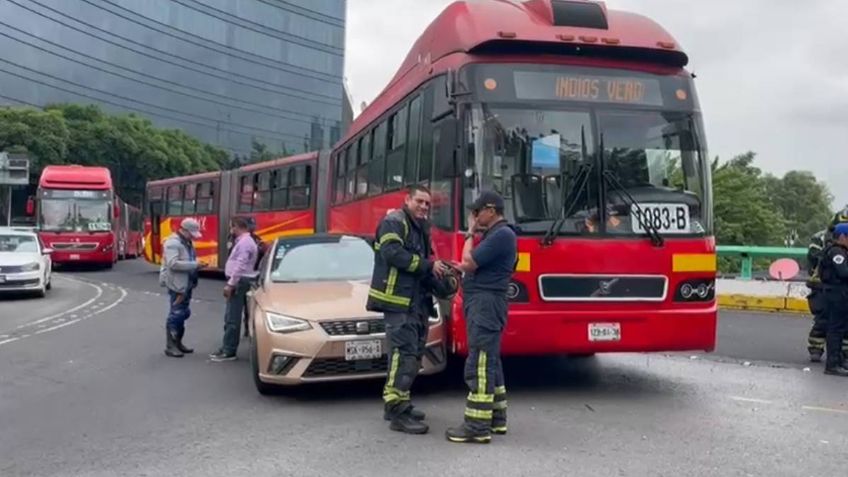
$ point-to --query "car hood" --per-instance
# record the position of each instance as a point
(317, 301)
(18, 258)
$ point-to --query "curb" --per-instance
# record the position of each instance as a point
(764, 303)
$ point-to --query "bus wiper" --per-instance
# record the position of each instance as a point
(647, 225)
(568, 205)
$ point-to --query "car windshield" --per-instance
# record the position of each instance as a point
(75, 215)
(18, 243)
(340, 259)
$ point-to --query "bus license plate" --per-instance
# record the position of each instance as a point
(666, 218)
(356, 350)
(74, 257)
(604, 331)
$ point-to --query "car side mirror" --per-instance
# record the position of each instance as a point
(47, 251)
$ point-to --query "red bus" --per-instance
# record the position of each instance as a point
(586, 121)
(80, 217)
(278, 194)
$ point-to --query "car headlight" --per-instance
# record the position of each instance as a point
(30, 267)
(286, 324)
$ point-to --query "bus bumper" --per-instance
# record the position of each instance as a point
(98, 257)
(535, 332)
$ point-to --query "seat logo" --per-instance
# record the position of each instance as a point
(362, 328)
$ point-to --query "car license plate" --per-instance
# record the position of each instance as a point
(604, 331)
(356, 350)
(666, 218)
(74, 256)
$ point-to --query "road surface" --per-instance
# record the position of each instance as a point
(85, 390)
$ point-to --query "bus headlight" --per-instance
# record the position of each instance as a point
(696, 290)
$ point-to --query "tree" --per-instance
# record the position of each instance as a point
(745, 214)
(42, 134)
(803, 201)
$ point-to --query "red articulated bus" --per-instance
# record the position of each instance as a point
(82, 219)
(586, 121)
(277, 194)
(588, 124)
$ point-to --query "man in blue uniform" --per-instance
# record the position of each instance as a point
(488, 268)
(834, 277)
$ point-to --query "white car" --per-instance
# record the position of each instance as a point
(25, 266)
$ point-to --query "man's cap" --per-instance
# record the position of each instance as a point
(488, 198)
(840, 229)
(191, 226)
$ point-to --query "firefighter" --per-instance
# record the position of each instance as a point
(834, 278)
(488, 269)
(400, 289)
(816, 298)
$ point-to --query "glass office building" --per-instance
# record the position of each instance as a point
(225, 71)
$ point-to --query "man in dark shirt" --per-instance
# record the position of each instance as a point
(488, 268)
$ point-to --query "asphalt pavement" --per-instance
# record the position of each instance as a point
(85, 390)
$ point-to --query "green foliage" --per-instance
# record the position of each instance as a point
(129, 145)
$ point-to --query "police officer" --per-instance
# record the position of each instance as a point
(816, 298)
(400, 289)
(488, 268)
(834, 277)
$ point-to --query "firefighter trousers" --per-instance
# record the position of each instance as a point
(837, 326)
(818, 333)
(406, 335)
(486, 404)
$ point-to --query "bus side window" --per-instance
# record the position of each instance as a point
(350, 168)
(262, 197)
(362, 165)
(340, 178)
(425, 158)
(205, 204)
(189, 199)
(395, 166)
(298, 187)
(377, 167)
(175, 200)
(413, 142)
(280, 196)
(246, 193)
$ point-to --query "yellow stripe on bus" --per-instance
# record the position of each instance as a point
(694, 262)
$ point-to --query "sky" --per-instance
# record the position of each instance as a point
(771, 75)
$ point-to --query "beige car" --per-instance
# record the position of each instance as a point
(307, 316)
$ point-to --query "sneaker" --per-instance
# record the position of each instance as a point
(407, 424)
(220, 356)
(463, 435)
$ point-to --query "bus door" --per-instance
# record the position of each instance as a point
(155, 232)
(228, 199)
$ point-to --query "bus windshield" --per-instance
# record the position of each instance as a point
(599, 167)
(75, 215)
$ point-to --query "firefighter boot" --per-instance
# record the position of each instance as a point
(837, 371)
(415, 413)
(408, 424)
(463, 434)
(816, 355)
(171, 345)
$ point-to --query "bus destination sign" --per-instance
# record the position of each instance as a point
(588, 88)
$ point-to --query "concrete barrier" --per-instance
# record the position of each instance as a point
(762, 295)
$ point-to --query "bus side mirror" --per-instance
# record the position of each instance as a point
(30, 206)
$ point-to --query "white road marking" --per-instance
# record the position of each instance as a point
(8, 340)
(754, 400)
(824, 409)
(57, 315)
(57, 326)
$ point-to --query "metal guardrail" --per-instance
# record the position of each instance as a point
(748, 254)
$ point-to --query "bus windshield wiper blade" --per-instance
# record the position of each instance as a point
(568, 205)
(647, 225)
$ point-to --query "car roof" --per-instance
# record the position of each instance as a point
(321, 238)
(18, 230)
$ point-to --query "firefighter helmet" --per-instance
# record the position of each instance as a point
(447, 287)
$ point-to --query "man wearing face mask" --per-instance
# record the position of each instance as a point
(403, 267)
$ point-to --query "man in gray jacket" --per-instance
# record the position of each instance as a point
(178, 274)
